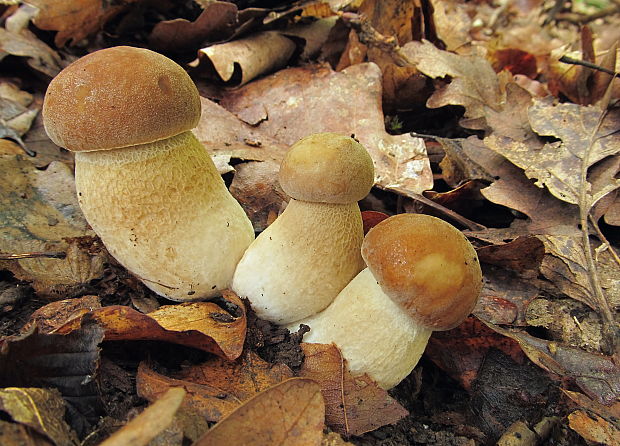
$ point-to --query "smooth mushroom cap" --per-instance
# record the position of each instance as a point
(426, 266)
(119, 97)
(327, 168)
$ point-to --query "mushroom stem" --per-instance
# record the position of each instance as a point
(164, 203)
(323, 237)
(373, 333)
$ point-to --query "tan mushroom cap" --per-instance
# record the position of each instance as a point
(426, 266)
(119, 97)
(327, 168)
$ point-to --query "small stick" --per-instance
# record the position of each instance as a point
(583, 63)
(34, 255)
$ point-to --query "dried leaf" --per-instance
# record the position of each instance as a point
(202, 325)
(371, 219)
(348, 102)
(290, 414)
(584, 139)
(17, 40)
(607, 412)
(257, 189)
(354, 405)
(55, 314)
(153, 420)
(473, 85)
(216, 23)
(12, 434)
(593, 428)
(239, 61)
(217, 387)
(39, 212)
(597, 375)
(41, 410)
(75, 20)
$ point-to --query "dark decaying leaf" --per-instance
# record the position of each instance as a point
(597, 375)
(42, 410)
(354, 405)
(65, 362)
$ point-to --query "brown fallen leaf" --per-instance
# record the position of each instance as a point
(42, 410)
(319, 99)
(353, 405)
(13, 434)
(217, 387)
(56, 314)
(291, 413)
(202, 325)
(607, 412)
(74, 20)
(153, 420)
(474, 84)
(215, 23)
(371, 219)
(594, 428)
(239, 61)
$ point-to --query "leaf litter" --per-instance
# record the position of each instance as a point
(536, 185)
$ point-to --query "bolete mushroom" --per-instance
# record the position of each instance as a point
(298, 265)
(423, 275)
(146, 185)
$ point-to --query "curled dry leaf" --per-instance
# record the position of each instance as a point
(319, 99)
(202, 325)
(217, 387)
(240, 61)
(353, 405)
(56, 314)
(215, 23)
(42, 410)
(291, 413)
(153, 420)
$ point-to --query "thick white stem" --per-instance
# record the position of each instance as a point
(374, 335)
(299, 264)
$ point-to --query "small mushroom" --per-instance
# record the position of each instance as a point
(298, 265)
(146, 185)
(423, 275)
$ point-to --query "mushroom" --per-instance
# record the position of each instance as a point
(146, 185)
(423, 275)
(298, 265)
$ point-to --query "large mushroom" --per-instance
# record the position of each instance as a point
(423, 275)
(146, 185)
(298, 265)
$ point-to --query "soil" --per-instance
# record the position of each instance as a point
(441, 411)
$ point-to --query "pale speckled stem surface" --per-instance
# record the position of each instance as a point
(163, 211)
(374, 334)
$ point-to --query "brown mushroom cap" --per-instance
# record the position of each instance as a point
(327, 168)
(119, 97)
(426, 266)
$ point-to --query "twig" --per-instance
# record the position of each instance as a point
(34, 255)
(583, 63)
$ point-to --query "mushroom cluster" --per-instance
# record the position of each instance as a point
(297, 266)
(423, 275)
(146, 185)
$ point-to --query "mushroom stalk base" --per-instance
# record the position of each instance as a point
(374, 334)
(163, 211)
